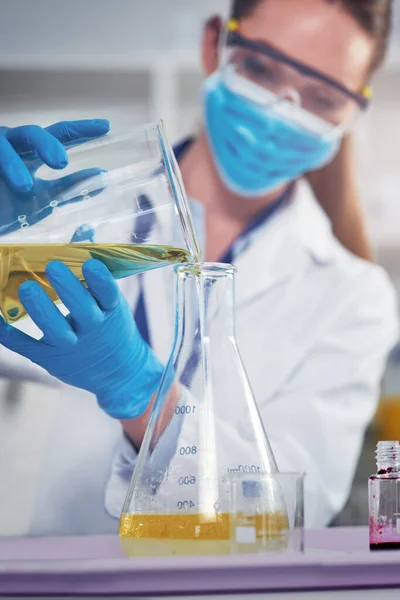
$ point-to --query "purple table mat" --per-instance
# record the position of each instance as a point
(334, 559)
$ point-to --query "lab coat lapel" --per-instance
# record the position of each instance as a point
(159, 284)
(159, 294)
(267, 263)
(277, 305)
(281, 245)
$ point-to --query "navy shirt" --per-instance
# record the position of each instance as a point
(238, 246)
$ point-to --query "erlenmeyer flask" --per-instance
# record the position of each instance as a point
(204, 426)
(120, 200)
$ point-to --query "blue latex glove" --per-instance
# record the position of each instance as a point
(84, 233)
(23, 150)
(97, 348)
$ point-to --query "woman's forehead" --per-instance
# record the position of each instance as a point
(317, 33)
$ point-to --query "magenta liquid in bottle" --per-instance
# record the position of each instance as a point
(384, 498)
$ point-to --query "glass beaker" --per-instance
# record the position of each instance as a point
(204, 426)
(120, 200)
(256, 524)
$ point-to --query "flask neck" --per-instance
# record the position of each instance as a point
(388, 457)
(205, 300)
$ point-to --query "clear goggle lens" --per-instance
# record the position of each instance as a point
(266, 79)
(282, 106)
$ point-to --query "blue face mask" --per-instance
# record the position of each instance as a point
(256, 149)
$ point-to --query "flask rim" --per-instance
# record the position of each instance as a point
(205, 269)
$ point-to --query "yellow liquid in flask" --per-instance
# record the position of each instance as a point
(166, 535)
(19, 263)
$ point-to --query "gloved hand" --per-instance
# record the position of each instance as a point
(97, 348)
(23, 150)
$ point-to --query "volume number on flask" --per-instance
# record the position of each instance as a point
(185, 410)
(186, 450)
(188, 480)
(185, 504)
(245, 469)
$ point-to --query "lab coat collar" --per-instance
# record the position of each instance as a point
(314, 226)
(297, 233)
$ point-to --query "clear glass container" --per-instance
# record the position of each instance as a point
(204, 426)
(120, 199)
(258, 524)
(384, 498)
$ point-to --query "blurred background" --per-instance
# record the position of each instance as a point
(133, 61)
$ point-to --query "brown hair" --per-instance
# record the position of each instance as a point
(374, 16)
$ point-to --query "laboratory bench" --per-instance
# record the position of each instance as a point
(337, 563)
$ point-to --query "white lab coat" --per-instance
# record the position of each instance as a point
(314, 326)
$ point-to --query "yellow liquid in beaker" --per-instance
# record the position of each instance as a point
(19, 263)
(165, 535)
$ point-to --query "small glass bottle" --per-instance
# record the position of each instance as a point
(384, 498)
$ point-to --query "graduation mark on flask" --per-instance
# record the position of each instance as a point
(187, 480)
(186, 450)
(185, 410)
(245, 469)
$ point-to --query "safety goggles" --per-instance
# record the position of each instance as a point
(266, 75)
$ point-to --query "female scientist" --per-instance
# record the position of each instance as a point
(285, 82)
